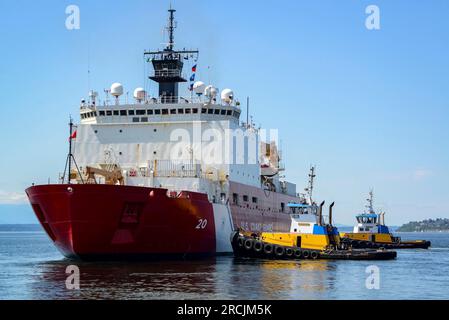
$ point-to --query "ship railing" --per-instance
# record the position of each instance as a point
(189, 98)
(176, 169)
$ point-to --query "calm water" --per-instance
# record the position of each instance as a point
(31, 268)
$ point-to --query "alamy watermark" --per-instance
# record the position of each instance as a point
(372, 22)
(73, 20)
(73, 280)
(373, 280)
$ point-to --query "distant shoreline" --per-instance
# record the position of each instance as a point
(20, 227)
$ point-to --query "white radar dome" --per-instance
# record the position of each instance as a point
(210, 92)
(227, 95)
(199, 87)
(140, 94)
(116, 90)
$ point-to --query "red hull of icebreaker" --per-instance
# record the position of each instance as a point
(91, 221)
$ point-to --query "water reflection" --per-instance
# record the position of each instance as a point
(220, 278)
(32, 269)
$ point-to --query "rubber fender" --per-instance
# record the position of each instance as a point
(279, 251)
(241, 242)
(248, 244)
(306, 254)
(258, 246)
(268, 248)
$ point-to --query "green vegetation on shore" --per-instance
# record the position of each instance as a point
(425, 226)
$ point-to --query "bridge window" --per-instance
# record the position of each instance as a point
(150, 112)
(181, 111)
(109, 113)
(136, 119)
(140, 112)
(157, 111)
(195, 110)
(116, 113)
(204, 110)
(217, 111)
(188, 111)
(102, 113)
(245, 198)
(123, 112)
(210, 111)
(173, 111)
(164, 111)
(229, 113)
(131, 112)
(223, 112)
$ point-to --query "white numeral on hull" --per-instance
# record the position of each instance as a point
(202, 224)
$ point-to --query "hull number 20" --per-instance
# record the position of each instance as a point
(202, 224)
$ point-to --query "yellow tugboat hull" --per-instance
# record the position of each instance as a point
(303, 241)
(377, 237)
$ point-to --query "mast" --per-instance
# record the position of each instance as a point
(168, 64)
(309, 189)
(370, 200)
(171, 29)
(70, 150)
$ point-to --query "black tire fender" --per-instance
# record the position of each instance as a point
(279, 251)
(268, 249)
(248, 244)
(258, 246)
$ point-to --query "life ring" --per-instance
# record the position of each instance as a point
(298, 253)
(268, 249)
(314, 255)
(248, 244)
(258, 246)
(306, 254)
(279, 251)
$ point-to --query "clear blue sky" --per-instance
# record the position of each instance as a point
(369, 108)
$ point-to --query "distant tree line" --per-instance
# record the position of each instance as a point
(426, 225)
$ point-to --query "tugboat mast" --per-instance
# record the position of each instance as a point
(370, 202)
(309, 189)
